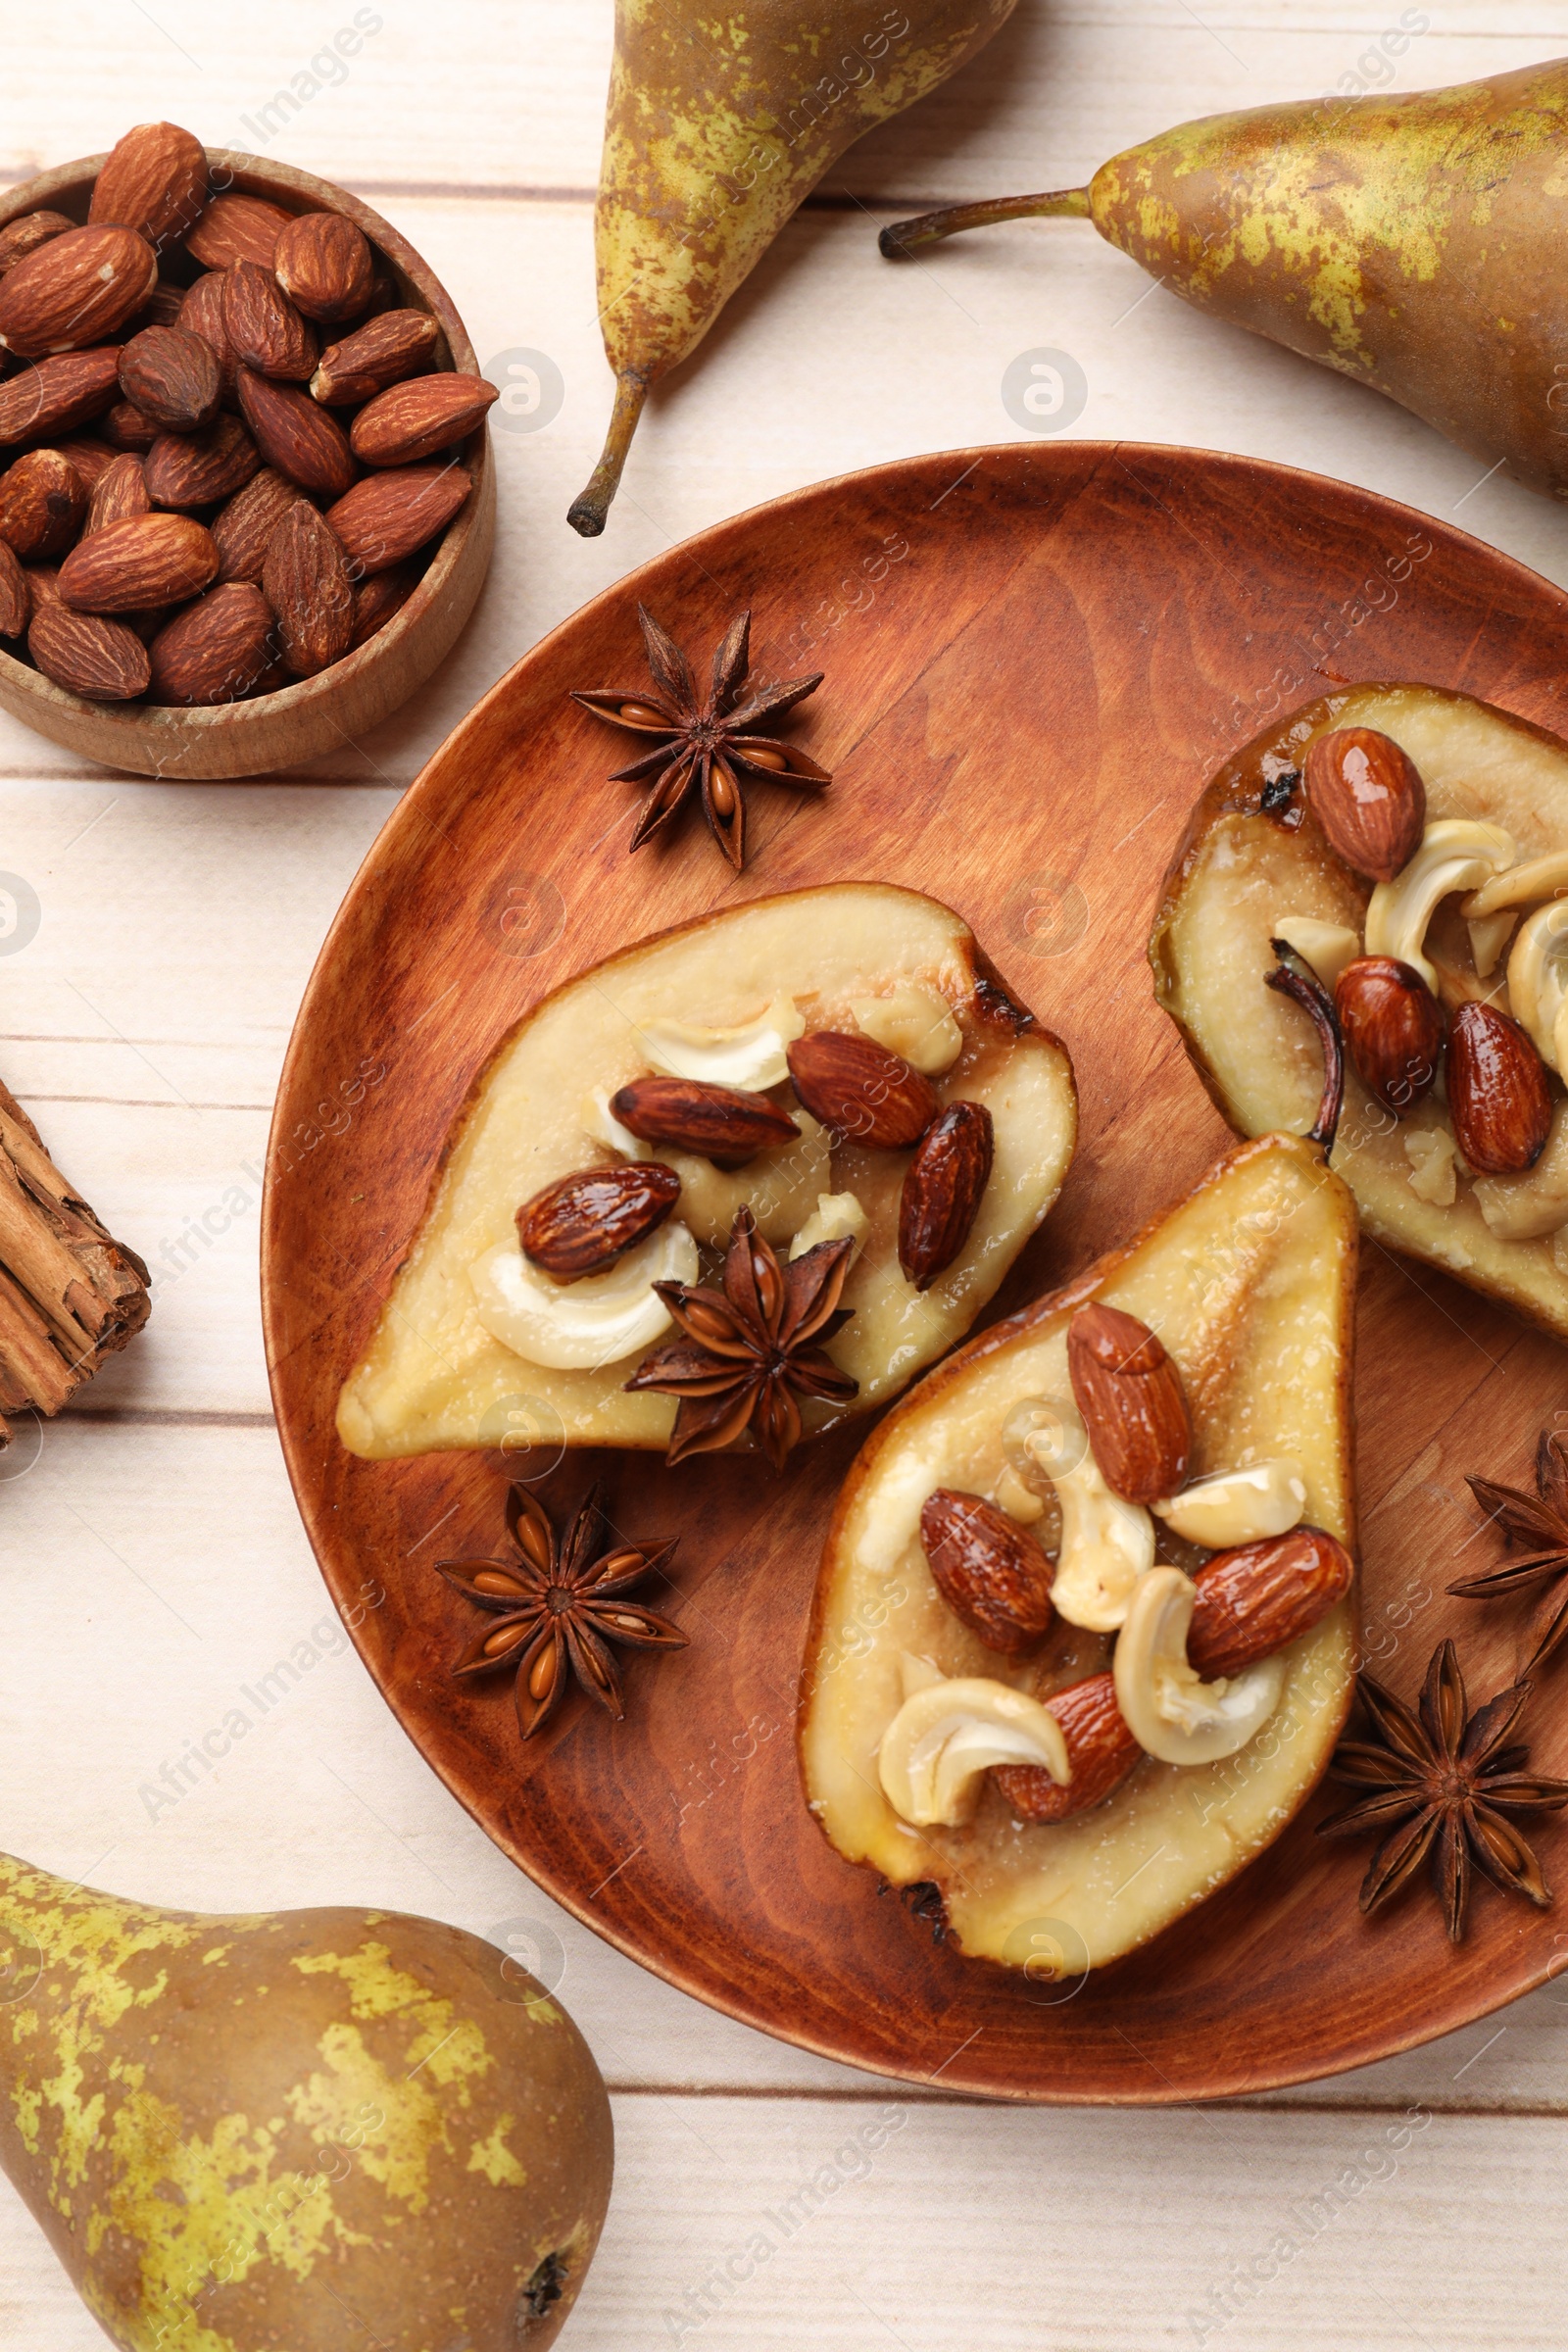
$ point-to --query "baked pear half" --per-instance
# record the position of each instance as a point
(721, 1190)
(1412, 846)
(1082, 1640)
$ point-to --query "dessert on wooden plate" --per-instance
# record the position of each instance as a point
(1081, 1644)
(1411, 846)
(736, 1182)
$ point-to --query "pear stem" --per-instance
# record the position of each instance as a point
(903, 237)
(588, 510)
(1304, 987)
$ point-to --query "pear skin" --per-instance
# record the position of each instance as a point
(312, 2129)
(1410, 242)
(716, 130)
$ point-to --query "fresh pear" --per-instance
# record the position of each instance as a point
(311, 2130)
(718, 125)
(1411, 242)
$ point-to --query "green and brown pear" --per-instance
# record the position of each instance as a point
(1411, 242)
(718, 125)
(298, 2131)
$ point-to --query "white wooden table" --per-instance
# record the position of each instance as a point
(150, 1557)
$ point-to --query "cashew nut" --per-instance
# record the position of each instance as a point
(1170, 1713)
(1457, 852)
(582, 1325)
(949, 1733)
(1524, 1208)
(1519, 886)
(837, 1217)
(1327, 946)
(1238, 1507)
(1434, 1175)
(916, 1023)
(750, 1056)
(1538, 980)
(1107, 1545)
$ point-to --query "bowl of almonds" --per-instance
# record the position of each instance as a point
(246, 495)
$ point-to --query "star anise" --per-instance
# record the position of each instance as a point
(708, 745)
(558, 1609)
(1541, 1522)
(748, 1352)
(1440, 1784)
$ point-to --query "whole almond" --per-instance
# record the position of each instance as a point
(88, 456)
(43, 585)
(295, 435)
(1392, 1026)
(21, 237)
(236, 229)
(1100, 1753)
(43, 505)
(1498, 1091)
(1367, 795)
(414, 420)
(154, 180)
(123, 426)
(721, 1123)
(134, 565)
(1134, 1406)
(75, 291)
(100, 659)
(197, 469)
(379, 598)
(583, 1223)
(214, 650)
(991, 1572)
(202, 314)
(52, 395)
(264, 330)
(324, 266)
(162, 308)
(388, 515)
(119, 493)
(171, 376)
(398, 344)
(306, 581)
(944, 1185)
(1263, 1597)
(15, 605)
(242, 531)
(860, 1090)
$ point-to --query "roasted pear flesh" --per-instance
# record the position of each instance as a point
(1461, 1158)
(1248, 1283)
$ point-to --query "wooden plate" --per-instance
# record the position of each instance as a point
(1035, 657)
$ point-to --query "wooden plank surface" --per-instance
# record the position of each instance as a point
(153, 1565)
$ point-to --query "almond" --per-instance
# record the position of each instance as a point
(263, 329)
(414, 420)
(943, 1188)
(242, 531)
(1393, 1025)
(74, 290)
(202, 314)
(1367, 795)
(216, 648)
(89, 456)
(398, 344)
(583, 1223)
(173, 377)
(197, 469)
(860, 1090)
(120, 492)
(131, 566)
(388, 515)
(43, 585)
(324, 266)
(15, 604)
(1134, 1406)
(1497, 1092)
(991, 1572)
(236, 229)
(295, 435)
(721, 1123)
(1263, 1597)
(55, 394)
(152, 180)
(100, 659)
(42, 504)
(306, 581)
(162, 308)
(1100, 1753)
(123, 426)
(379, 598)
(21, 237)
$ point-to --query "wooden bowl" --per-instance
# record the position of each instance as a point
(1035, 657)
(298, 722)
